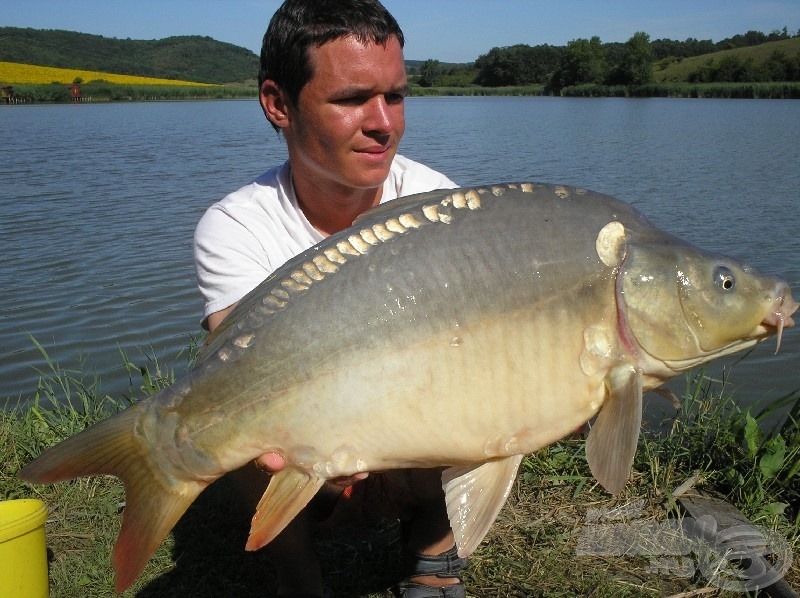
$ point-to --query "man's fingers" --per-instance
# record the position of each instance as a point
(270, 462)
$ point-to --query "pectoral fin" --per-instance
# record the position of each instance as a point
(288, 492)
(612, 441)
(474, 497)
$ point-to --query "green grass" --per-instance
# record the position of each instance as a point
(102, 91)
(478, 90)
(763, 90)
(757, 91)
(530, 551)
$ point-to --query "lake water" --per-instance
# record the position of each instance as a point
(98, 204)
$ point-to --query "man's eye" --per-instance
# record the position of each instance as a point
(352, 100)
(395, 98)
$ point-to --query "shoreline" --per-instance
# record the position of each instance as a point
(107, 92)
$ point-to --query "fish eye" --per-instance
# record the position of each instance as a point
(724, 278)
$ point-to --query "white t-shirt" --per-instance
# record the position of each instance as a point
(243, 238)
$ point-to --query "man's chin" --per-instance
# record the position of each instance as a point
(371, 177)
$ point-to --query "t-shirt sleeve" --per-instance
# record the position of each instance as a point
(227, 260)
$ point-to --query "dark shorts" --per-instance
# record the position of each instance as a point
(384, 495)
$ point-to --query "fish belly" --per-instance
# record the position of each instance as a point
(467, 395)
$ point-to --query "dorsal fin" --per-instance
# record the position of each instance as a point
(402, 202)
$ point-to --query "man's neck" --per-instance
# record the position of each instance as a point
(332, 210)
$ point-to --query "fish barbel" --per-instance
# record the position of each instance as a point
(461, 328)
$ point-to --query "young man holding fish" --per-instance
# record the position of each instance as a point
(557, 305)
(333, 82)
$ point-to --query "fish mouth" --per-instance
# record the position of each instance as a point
(780, 313)
(777, 317)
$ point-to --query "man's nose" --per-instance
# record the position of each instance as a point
(379, 118)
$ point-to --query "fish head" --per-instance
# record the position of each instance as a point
(683, 306)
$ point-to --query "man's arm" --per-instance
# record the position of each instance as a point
(214, 319)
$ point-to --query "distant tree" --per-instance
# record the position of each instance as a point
(751, 38)
(636, 66)
(459, 75)
(698, 47)
(781, 67)
(754, 38)
(665, 48)
(429, 73)
(494, 68)
(517, 65)
(503, 66)
(729, 69)
(735, 70)
(777, 35)
(614, 55)
(583, 62)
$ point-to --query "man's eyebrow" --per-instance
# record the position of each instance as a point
(357, 90)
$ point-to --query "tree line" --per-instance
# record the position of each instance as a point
(580, 62)
(590, 61)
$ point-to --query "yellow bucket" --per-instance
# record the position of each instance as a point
(23, 553)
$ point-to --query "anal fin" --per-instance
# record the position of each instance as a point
(474, 497)
(288, 492)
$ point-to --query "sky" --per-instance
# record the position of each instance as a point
(445, 30)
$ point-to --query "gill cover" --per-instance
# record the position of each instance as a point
(683, 304)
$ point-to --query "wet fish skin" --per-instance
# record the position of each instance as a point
(463, 328)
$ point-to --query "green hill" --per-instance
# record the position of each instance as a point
(190, 58)
(674, 70)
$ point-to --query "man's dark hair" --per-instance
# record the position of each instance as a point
(299, 25)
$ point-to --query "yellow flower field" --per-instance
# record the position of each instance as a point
(17, 72)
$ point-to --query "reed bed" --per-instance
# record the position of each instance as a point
(755, 91)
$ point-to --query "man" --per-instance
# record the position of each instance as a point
(333, 83)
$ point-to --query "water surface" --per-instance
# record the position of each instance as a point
(98, 204)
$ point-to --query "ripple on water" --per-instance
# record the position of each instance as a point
(97, 232)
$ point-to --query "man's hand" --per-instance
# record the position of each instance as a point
(270, 462)
(273, 462)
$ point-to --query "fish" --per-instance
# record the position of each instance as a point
(457, 328)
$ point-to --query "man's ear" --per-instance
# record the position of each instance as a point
(274, 103)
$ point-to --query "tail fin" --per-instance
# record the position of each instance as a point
(152, 507)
